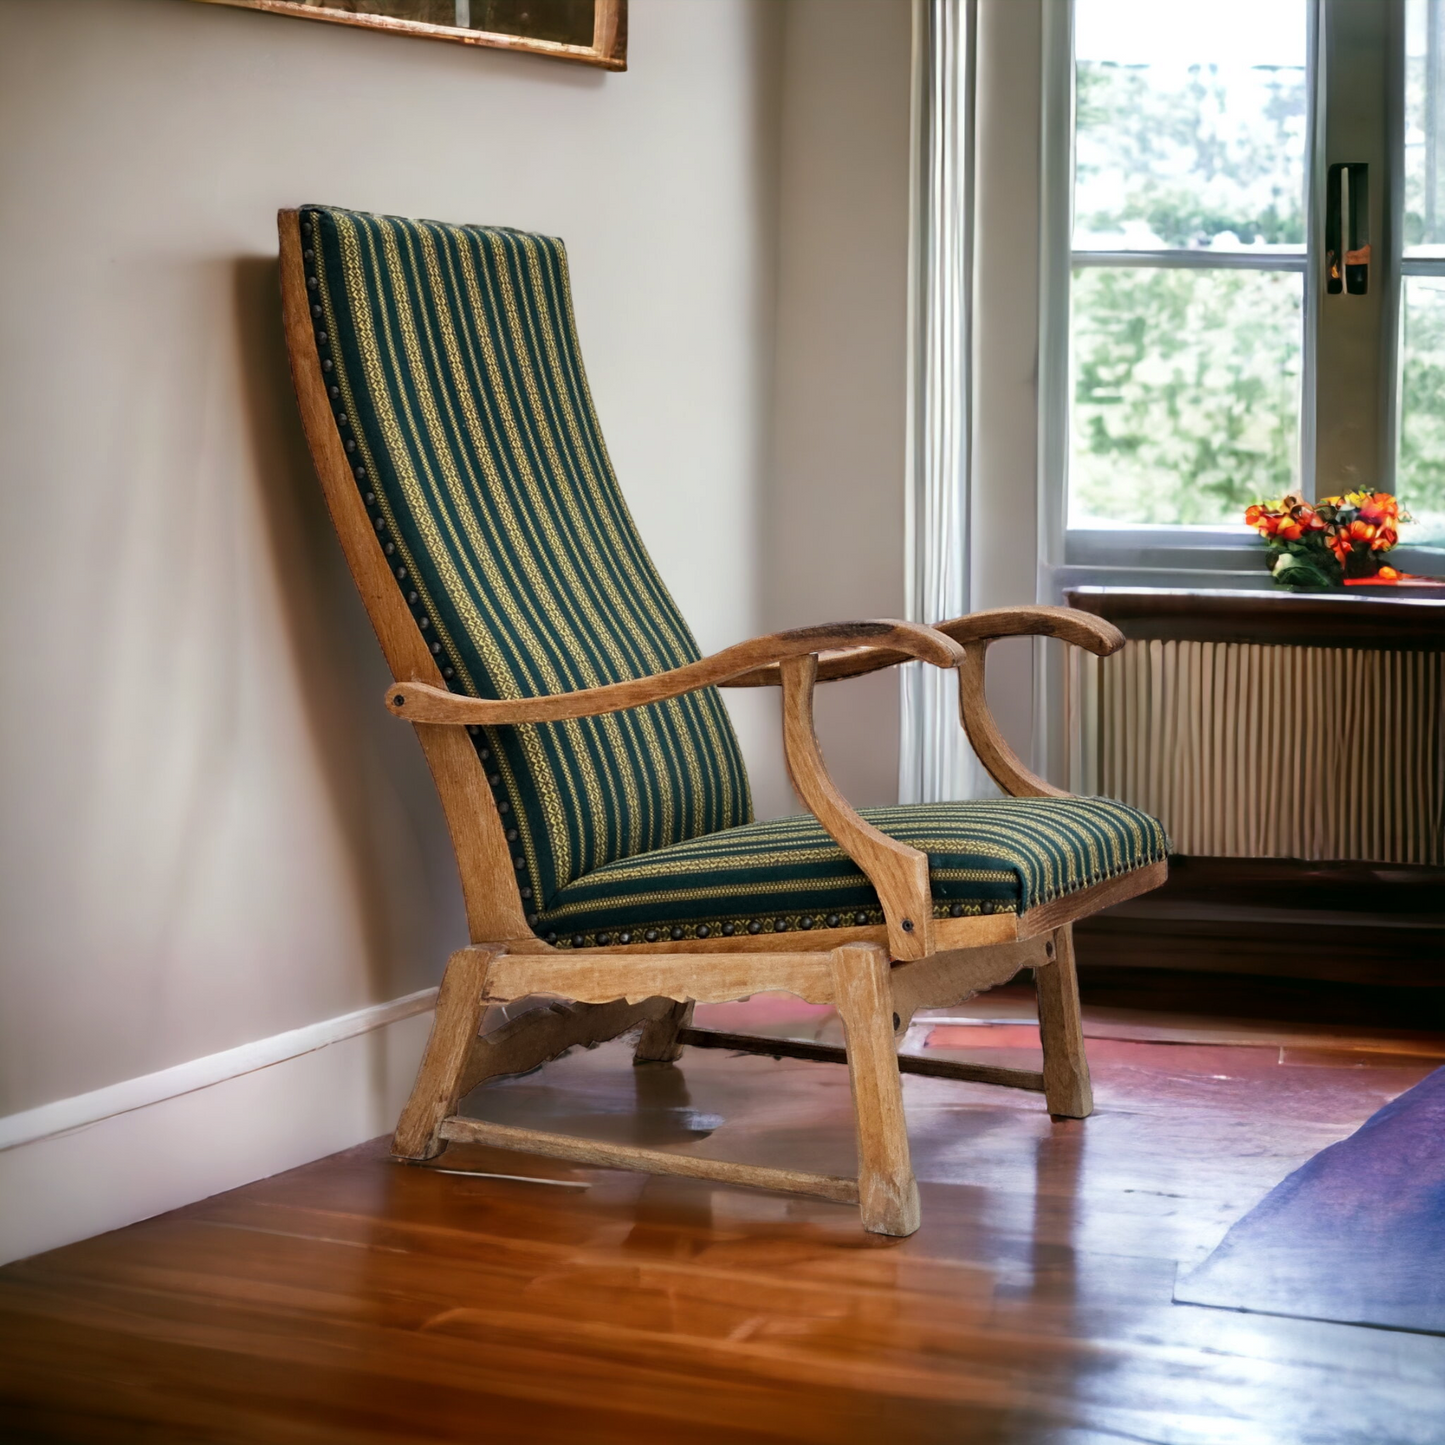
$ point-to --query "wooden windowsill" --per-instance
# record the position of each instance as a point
(1402, 621)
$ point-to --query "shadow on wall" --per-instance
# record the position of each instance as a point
(403, 873)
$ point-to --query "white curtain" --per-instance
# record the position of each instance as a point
(936, 762)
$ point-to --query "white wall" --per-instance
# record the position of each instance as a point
(1004, 502)
(835, 526)
(211, 831)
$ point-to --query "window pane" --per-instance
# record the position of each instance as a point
(1186, 393)
(1424, 128)
(1420, 475)
(1190, 124)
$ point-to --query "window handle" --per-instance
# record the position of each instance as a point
(1347, 229)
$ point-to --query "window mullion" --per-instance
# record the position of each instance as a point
(1354, 351)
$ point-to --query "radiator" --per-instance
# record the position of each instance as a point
(1260, 751)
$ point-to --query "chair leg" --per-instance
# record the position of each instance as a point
(887, 1190)
(438, 1081)
(658, 1044)
(1061, 1031)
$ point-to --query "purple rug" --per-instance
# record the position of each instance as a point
(1356, 1235)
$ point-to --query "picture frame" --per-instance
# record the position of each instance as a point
(589, 32)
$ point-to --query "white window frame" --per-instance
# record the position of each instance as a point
(1209, 557)
(1013, 485)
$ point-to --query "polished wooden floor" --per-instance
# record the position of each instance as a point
(360, 1300)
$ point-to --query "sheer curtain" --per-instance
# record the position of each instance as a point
(936, 762)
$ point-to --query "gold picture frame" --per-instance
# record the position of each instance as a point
(591, 32)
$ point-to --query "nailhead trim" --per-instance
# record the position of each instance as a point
(372, 503)
(730, 927)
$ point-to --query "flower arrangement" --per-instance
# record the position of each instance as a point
(1333, 541)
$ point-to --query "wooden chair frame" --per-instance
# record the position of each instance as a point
(876, 976)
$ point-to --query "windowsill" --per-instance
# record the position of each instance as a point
(1203, 559)
(1359, 617)
(1143, 556)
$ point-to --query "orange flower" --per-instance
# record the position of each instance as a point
(1268, 517)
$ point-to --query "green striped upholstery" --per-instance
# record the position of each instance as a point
(458, 388)
(1002, 855)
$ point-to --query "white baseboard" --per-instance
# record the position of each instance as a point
(81, 1166)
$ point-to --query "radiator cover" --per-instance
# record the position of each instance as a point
(1262, 751)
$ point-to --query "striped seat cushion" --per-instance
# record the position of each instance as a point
(457, 387)
(997, 856)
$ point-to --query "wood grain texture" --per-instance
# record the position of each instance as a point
(1004, 765)
(899, 874)
(607, 51)
(1277, 618)
(542, 1034)
(449, 1048)
(1067, 1088)
(609, 33)
(887, 1190)
(1069, 624)
(950, 978)
(598, 1155)
(489, 882)
(684, 977)
(1065, 623)
(427, 702)
(358, 1300)
(928, 1068)
(660, 1039)
(1086, 901)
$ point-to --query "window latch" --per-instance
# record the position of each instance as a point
(1347, 229)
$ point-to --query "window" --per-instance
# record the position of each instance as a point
(1420, 465)
(1212, 359)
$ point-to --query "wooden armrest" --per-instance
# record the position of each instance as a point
(833, 663)
(898, 873)
(1068, 624)
(976, 631)
(420, 702)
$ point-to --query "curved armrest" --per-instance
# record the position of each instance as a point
(976, 631)
(898, 873)
(420, 702)
(1068, 624)
(833, 663)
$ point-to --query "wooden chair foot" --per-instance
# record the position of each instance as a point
(659, 1043)
(887, 1190)
(439, 1079)
(1067, 1087)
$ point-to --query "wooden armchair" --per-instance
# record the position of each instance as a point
(591, 781)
